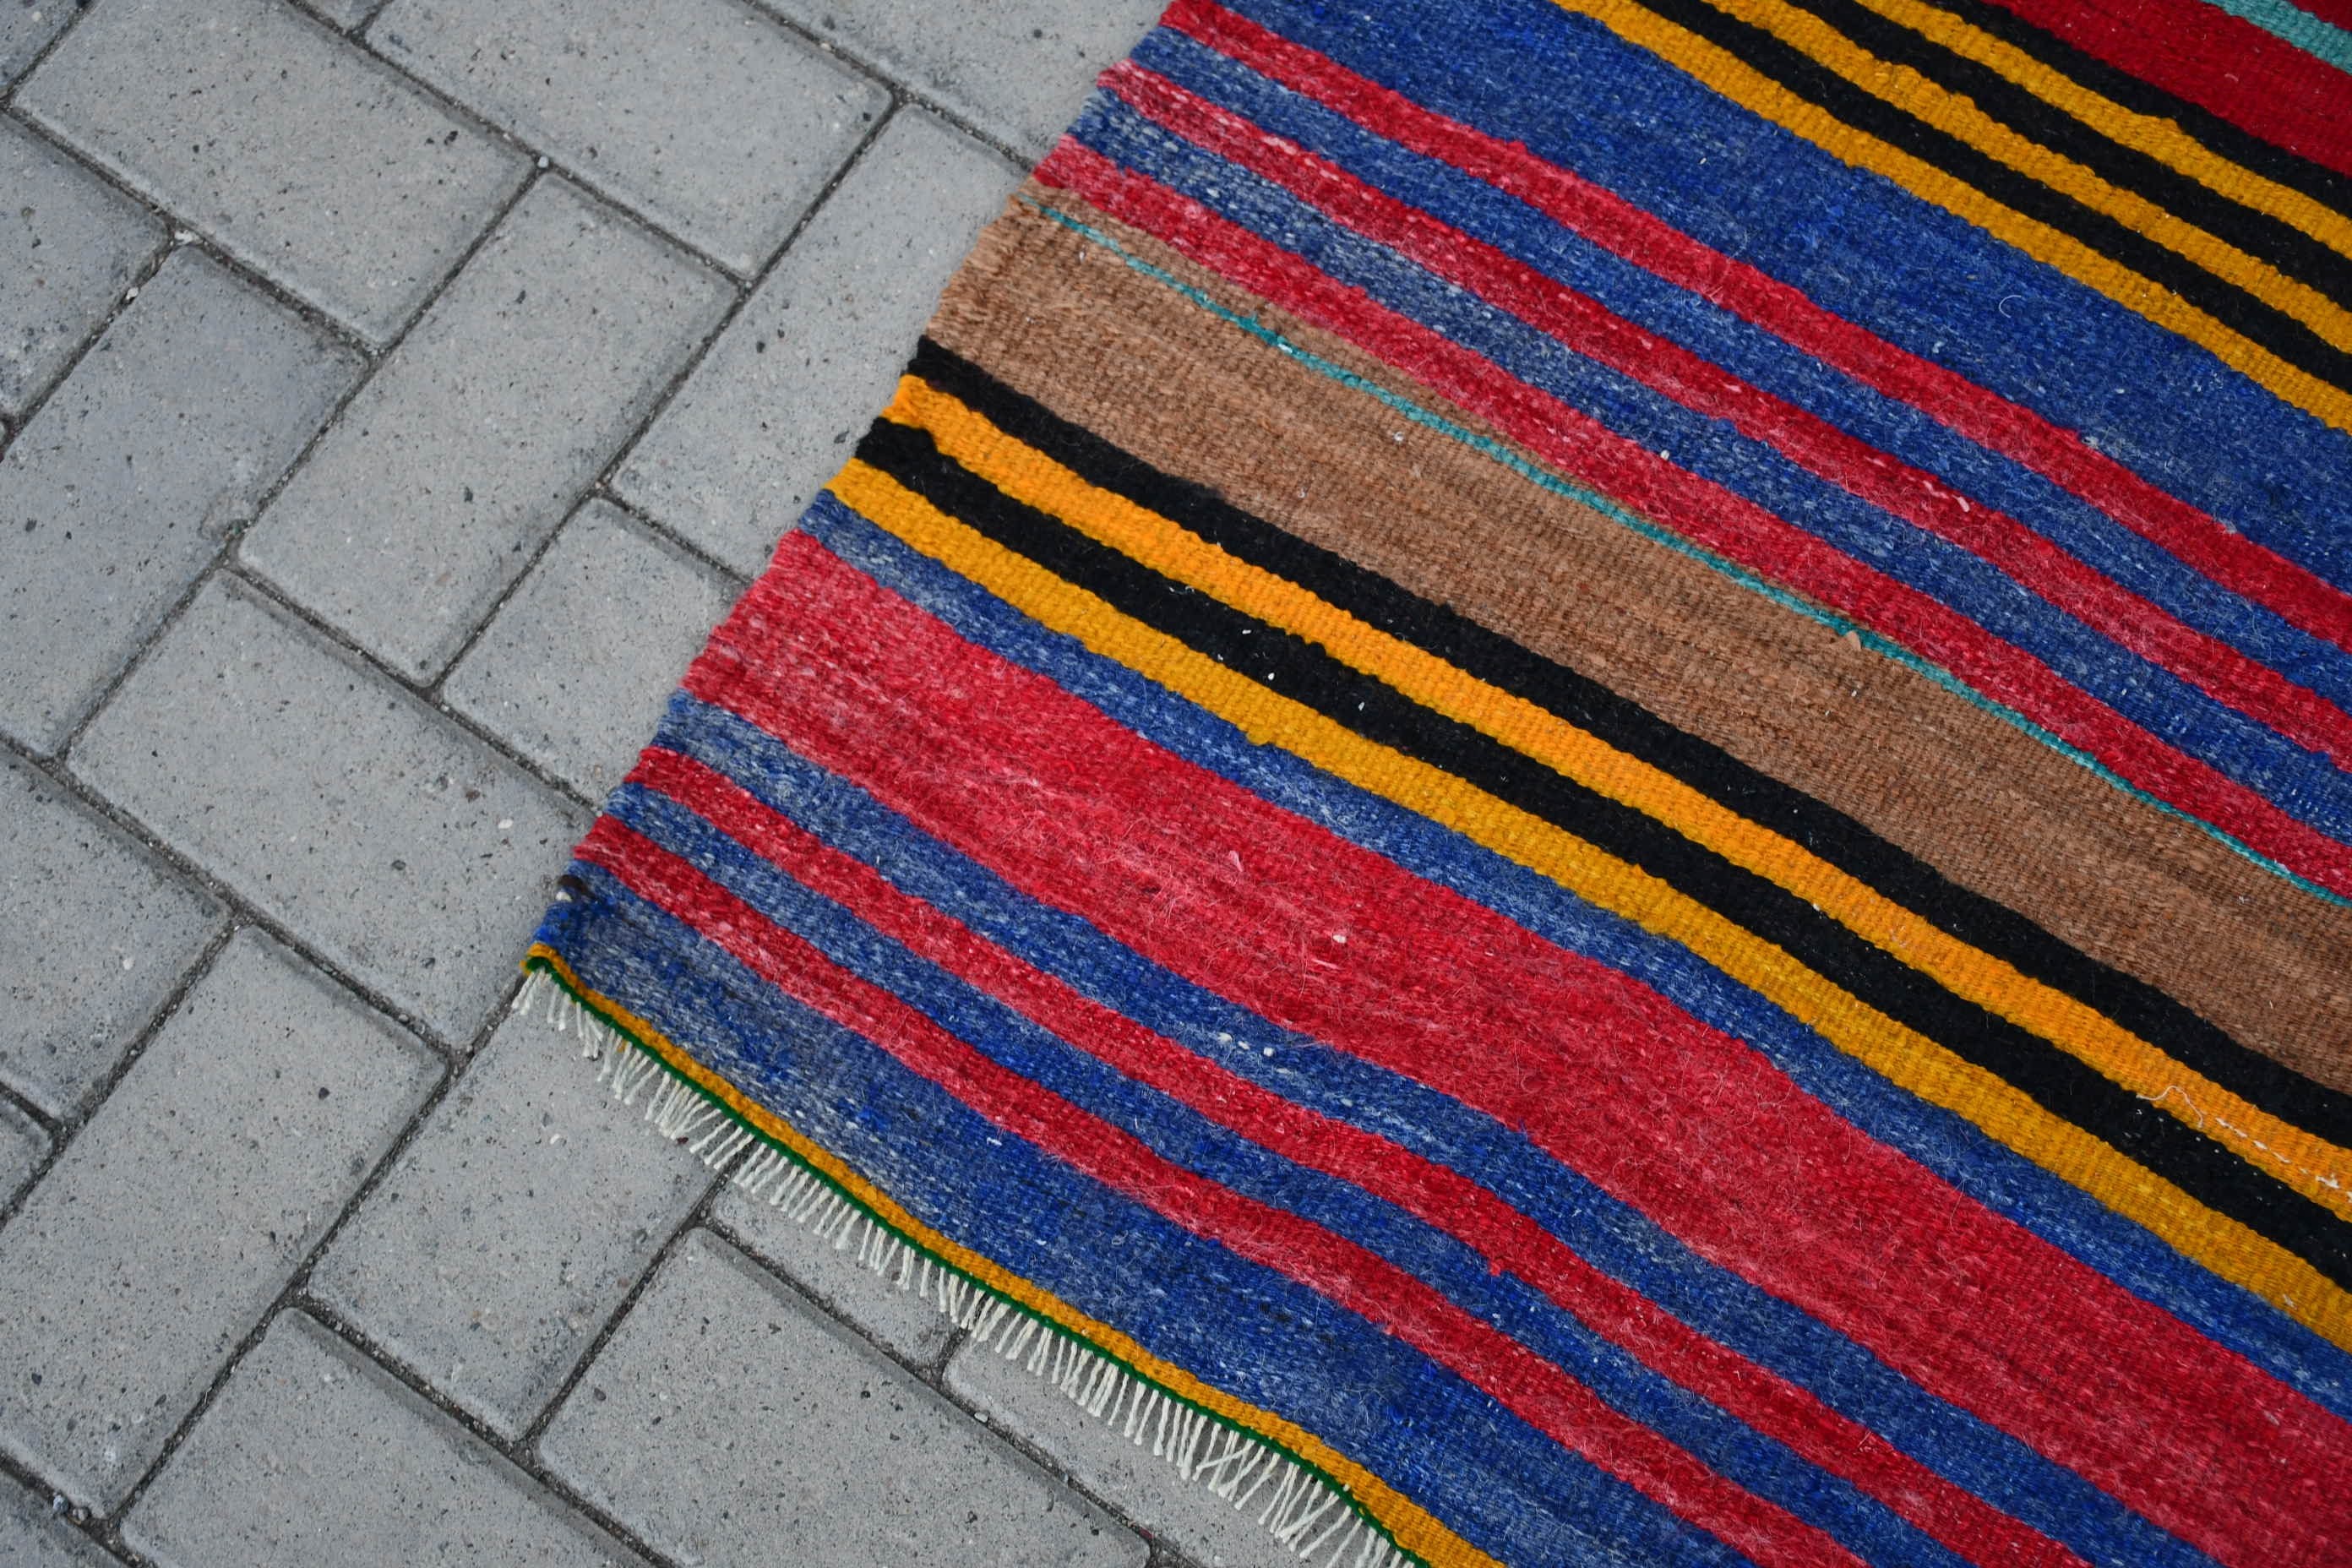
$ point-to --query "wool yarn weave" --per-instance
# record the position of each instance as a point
(1570, 783)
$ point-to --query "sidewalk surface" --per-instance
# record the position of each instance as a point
(392, 397)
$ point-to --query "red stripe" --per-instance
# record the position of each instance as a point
(1437, 1195)
(2257, 81)
(2297, 594)
(1727, 524)
(1534, 1389)
(1212, 883)
(1590, 329)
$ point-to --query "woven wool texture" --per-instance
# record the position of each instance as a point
(1571, 784)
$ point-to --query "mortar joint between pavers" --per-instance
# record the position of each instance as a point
(65, 1129)
(296, 1293)
(241, 911)
(904, 93)
(197, 239)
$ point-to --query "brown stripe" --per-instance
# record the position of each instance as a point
(1072, 326)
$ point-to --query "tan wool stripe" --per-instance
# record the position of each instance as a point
(1932, 773)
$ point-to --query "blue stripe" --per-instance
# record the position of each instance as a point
(2304, 784)
(1953, 1148)
(1501, 1485)
(1616, 1238)
(1574, 93)
(1760, 358)
(1182, 1136)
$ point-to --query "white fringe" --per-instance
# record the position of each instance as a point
(1305, 1512)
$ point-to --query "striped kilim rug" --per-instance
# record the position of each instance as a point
(1569, 785)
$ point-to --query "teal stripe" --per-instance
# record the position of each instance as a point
(2314, 37)
(1838, 624)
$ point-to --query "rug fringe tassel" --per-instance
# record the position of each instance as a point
(1303, 1512)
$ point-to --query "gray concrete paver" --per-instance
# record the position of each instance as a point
(481, 431)
(400, 847)
(69, 246)
(311, 1455)
(160, 444)
(290, 148)
(156, 1241)
(99, 935)
(727, 1424)
(728, 167)
(575, 668)
(510, 1229)
(772, 410)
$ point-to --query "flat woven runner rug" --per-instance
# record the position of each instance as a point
(1571, 784)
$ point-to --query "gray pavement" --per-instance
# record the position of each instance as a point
(391, 395)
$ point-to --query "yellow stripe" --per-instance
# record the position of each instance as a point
(1725, 74)
(1906, 1058)
(2160, 138)
(2308, 1163)
(1412, 1526)
(1958, 117)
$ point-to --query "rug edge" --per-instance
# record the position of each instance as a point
(715, 1122)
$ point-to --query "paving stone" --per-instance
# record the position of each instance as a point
(26, 28)
(22, 1145)
(909, 1325)
(31, 1536)
(1017, 69)
(512, 1227)
(725, 1423)
(70, 244)
(1149, 1491)
(293, 149)
(770, 413)
(163, 1232)
(397, 844)
(728, 167)
(123, 488)
(574, 669)
(481, 430)
(98, 933)
(312, 1456)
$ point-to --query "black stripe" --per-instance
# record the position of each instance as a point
(2241, 146)
(1893, 872)
(1806, 77)
(1303, 672)
(2258, 234)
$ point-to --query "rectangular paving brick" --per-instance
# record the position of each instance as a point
(771, 412)
(311, 1455)
(31, 1536)
(728, 166)
(23, 1146)
(1017, 69)
(293, 149)
(100, 933)
(764, 1224)
(70, 244)
(481, 431)
(517, 1223)
(403, 848)
(1100, 1457)
(123, 488)
(26, 28)
(726, 1424)
(574, 669)
(158, 1239)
